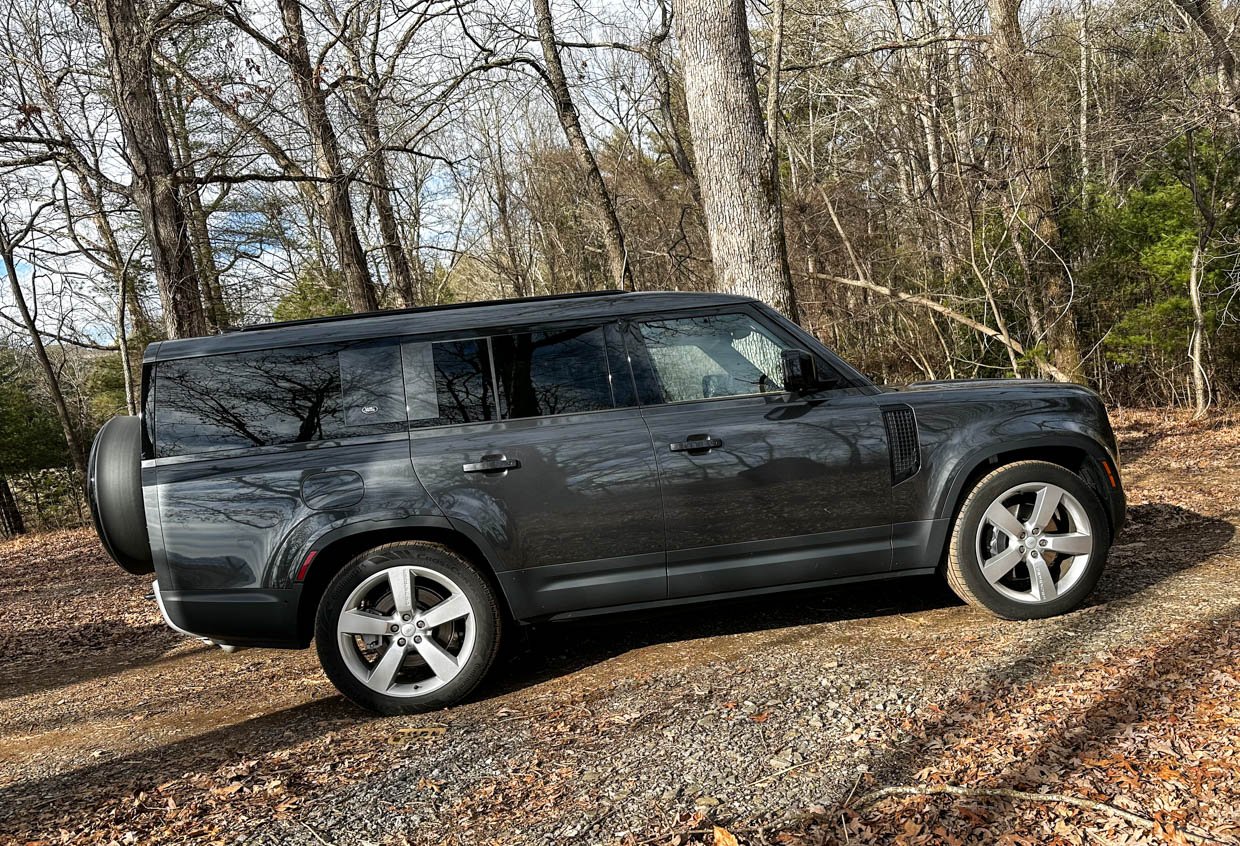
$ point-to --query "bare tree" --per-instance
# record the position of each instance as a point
(127, 37)
(566, 112)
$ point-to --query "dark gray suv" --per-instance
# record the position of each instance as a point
(401, 487)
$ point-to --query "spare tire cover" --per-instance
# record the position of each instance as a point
(114, 487)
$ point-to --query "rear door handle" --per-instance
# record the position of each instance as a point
(492, 464)
(696, 443)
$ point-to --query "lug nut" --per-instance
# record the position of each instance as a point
(1021, 550)
(421, 624)
(1022, 535)
(1042, 542)
(400, 642)
(395, 628)
(404, 616)
(1037, 531)
(417, 639)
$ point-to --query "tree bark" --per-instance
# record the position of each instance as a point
(735, 163)
(128, 47)
(11, 522)
(1033, 200)
(337, 206)
(566, 111)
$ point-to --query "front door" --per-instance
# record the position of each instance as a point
(531, 447)
(760, 487)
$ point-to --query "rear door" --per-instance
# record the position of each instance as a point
(531, 442)
(760, 487)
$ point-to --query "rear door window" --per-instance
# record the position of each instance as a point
(449, 382)
(552, 371)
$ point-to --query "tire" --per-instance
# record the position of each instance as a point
(417, 667)
(1016, 566)
(114, 491)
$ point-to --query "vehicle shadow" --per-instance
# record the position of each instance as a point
(1139, 561)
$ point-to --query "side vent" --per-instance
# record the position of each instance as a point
(902, 440)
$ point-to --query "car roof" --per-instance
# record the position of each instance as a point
(443, 319)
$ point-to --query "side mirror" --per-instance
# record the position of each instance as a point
(800, 372)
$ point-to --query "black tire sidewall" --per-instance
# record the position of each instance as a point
(487, 623)
(971, 517)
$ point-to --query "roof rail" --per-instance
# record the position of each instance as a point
(309, 321)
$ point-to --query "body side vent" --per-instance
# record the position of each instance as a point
(902, 442)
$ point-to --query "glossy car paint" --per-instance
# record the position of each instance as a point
(600, 514)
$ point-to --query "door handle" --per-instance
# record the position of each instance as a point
(696, 443)
(492, 464)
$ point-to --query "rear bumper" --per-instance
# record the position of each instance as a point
(266, 618)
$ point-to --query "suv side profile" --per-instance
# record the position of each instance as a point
(401, 487)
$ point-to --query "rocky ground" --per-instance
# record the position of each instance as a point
(759, 721)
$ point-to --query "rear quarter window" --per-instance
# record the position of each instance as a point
(276, 397)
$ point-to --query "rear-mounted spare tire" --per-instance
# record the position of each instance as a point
(114, 488)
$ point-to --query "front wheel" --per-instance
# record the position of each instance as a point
(407, 627)
(1029, 542)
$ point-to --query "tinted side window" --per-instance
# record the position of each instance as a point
(557, 371)
(703, 357)
(448, 382)
(274, 397)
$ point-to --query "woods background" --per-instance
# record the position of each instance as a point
(937, 188)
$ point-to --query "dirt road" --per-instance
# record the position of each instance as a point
(748, 714)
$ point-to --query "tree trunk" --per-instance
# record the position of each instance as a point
(128, 47)
(1032, 196)
(566, 111)
(337, 206)
(11, 522)
(195, 213)
(381, 191)
(1196, 351)
(735, 163)
(67, 424)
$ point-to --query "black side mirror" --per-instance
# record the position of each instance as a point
(800, 372)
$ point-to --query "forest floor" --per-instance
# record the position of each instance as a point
(774, 720)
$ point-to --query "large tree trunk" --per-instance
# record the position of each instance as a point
(127, 43)
(735, 161)
(11, 522)
(566, 111)
(337, 206)
(1032, 199)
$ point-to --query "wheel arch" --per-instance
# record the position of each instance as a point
(336, 549)
(1076, 453)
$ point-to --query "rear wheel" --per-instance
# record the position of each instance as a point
(1029, 542)
(407, 627)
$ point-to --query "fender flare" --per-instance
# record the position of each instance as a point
(953, 490)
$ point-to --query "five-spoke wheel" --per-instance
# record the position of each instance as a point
(407, 627)
(1029, 541)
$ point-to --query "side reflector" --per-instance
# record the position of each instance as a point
(1106, 465)
(305, 565)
